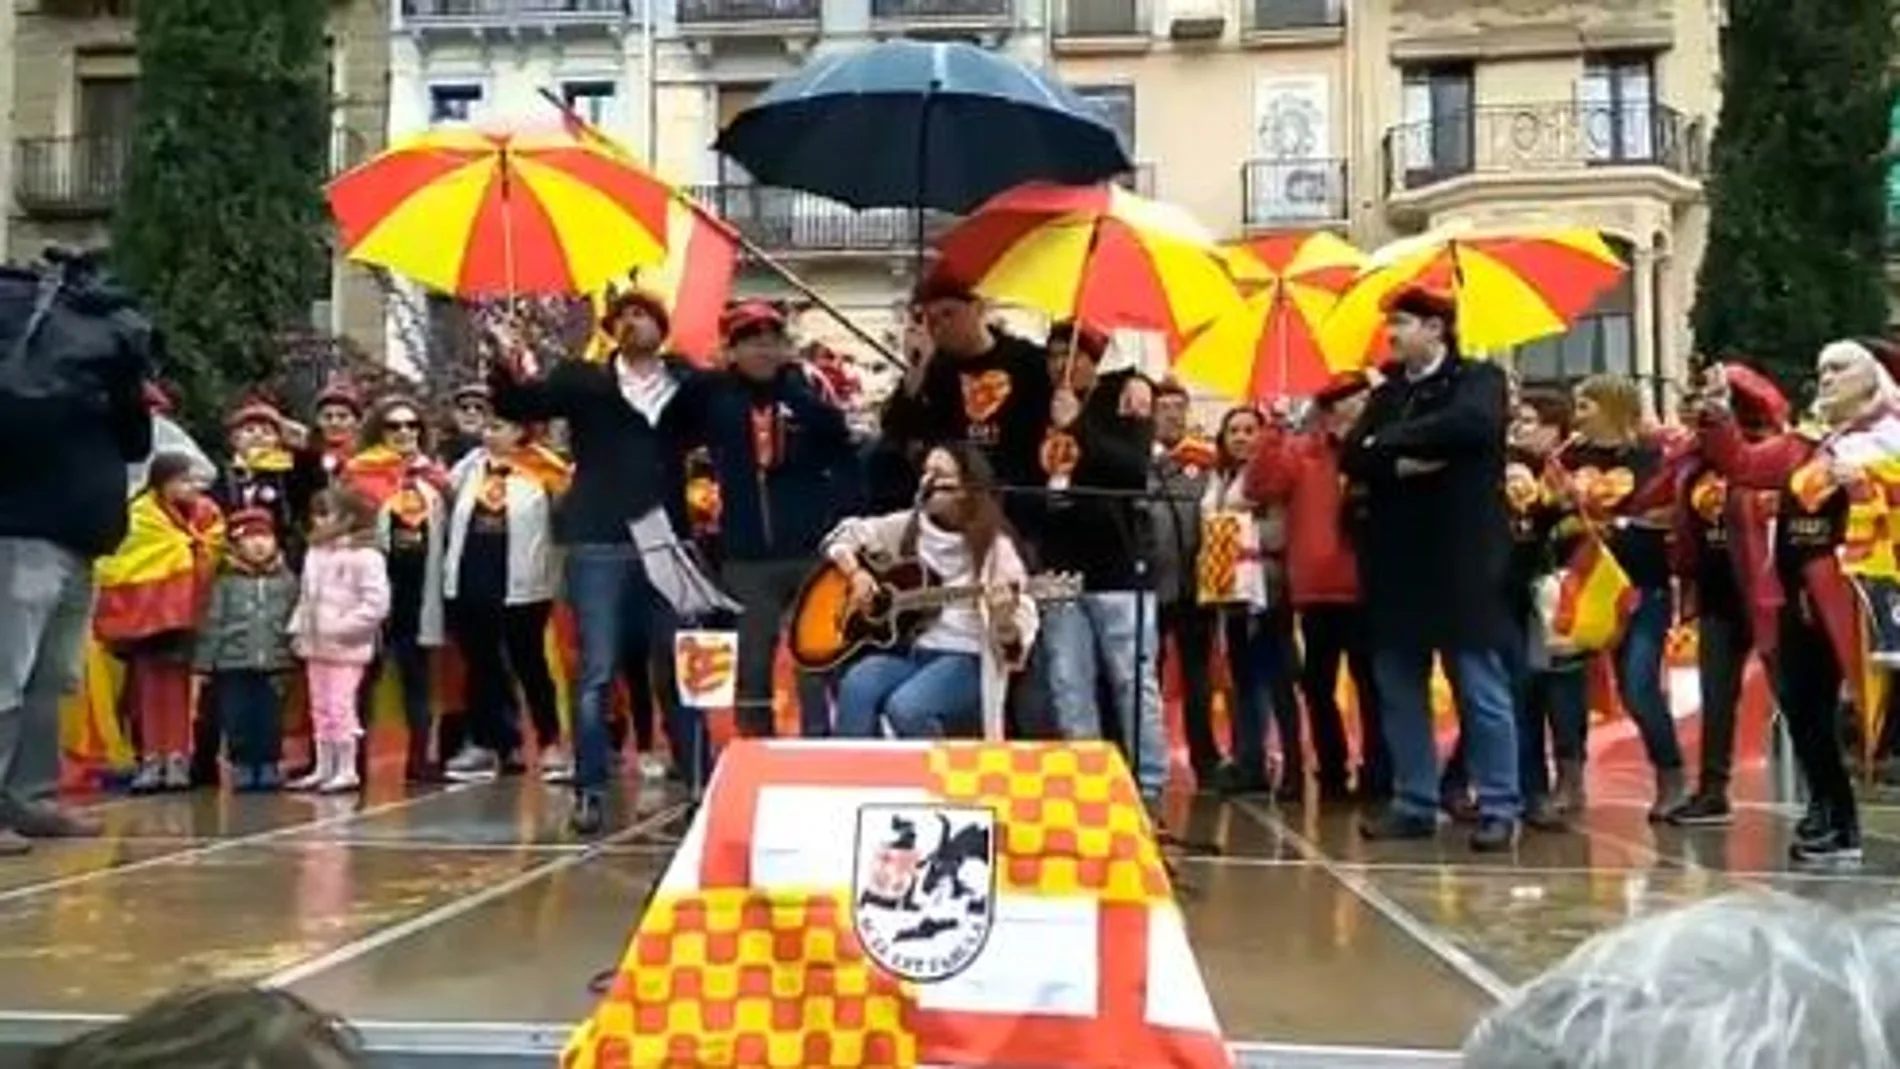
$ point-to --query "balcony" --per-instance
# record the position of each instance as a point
(982, 18)
(69, 177)
(1083, 26)
(1283, 194)
(1265, 22)
(78, 177)
(793, 223)
(794, 23)
(1547, 148)
(513, 17)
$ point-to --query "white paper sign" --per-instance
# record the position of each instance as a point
(706, 666)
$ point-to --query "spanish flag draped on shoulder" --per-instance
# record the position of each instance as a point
(696, 278)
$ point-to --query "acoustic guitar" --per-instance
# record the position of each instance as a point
(826, 631)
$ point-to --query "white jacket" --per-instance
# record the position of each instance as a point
(532, 566)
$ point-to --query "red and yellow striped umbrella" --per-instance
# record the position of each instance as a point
(479, 214)
(1097, 254)
(1510, 287)
(1268, 347)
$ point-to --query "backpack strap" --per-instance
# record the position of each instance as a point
(907, 542)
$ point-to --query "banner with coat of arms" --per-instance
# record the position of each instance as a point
(911, 904)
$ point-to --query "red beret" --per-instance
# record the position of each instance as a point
(1341, 386)
(255, 410)
(1756, 398)
(1086, 340)
(645, 300)
(750, 317)
(941, 285)
(250, 521)
(1423, 303)
(339, 393)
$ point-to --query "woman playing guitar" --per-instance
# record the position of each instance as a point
(951, 678)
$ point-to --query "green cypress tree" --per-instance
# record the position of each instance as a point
(1796, 250)
(223, 229)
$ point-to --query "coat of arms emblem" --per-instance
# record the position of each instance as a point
(924, 887)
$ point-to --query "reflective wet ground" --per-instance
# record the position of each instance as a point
(466, 910)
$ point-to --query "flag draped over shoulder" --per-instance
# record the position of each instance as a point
(155, 581)
(1594, 599)
(1869, 557)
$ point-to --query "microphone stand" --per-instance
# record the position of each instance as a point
(1133, 500)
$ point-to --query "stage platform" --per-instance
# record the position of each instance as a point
(463, 925)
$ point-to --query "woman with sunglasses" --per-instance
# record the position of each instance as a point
(409, 490)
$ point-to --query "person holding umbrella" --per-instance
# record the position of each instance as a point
(623, 419)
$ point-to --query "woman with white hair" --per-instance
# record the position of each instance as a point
(1817, 632)
(1746, 981)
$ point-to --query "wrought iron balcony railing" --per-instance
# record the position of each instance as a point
(942, 10)
(793, 221)
(1104, 18)
(1506, 139)
(1279, 16)
(1292, 192)
(70, 175)
(86, 175)
(424, 14)
(762, 12)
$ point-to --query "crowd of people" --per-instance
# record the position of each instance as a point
(1407, 519)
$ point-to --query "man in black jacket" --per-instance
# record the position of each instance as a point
(62, 505)
(625, 427)
(779, 451)
(1100, 436)
(1428, 453)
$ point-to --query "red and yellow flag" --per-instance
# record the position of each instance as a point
(1594, 600)
(154, 582)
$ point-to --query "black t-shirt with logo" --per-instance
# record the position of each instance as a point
(1606, 478)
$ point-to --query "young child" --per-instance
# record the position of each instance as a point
(244, 646)
(151, 591)
(340, 611)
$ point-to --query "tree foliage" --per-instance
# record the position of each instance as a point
(1796, 249)
(223, 229)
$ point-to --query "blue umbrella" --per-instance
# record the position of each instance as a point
(912, 124)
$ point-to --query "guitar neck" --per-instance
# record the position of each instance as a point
(936, 597)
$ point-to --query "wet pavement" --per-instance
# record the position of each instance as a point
(470, 909)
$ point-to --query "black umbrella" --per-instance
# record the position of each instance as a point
(910, 124)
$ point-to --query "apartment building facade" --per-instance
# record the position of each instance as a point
(73, 65)
(1377, 118)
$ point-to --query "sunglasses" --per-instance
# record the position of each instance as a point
(395, 425)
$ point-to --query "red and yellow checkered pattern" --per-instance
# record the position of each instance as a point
(1071, 820)
(1217, 569)
(747, 978)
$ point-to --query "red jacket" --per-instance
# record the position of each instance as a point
(1301, 472)
(1768, 465)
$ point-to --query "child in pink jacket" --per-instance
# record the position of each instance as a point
(345, 596)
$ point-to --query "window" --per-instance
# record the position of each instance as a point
(1114, 105)
(1435, 138)
(593, 101)
(108, 107)
(454, 103)
(1603, 341)
(1617, 104)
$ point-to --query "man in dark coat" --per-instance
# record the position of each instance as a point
(1428, 454)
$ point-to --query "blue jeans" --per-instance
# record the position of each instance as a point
(922, 694)
(1264, 665)
(1101, 630)
(1639, 679)
(1553, 715)
(1481, 687)
(619, 617)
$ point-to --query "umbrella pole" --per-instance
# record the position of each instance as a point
(751, 250)
(923, 162)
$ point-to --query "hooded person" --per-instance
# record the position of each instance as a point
(1821, 477)
(1723, 557)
